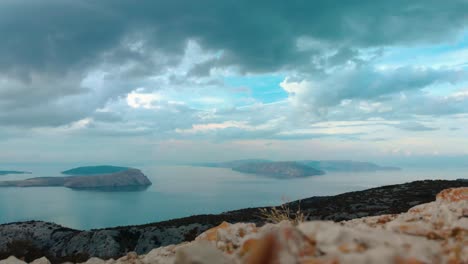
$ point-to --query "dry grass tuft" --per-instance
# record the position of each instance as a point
(281, 213)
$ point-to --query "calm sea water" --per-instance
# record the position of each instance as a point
(179, 191)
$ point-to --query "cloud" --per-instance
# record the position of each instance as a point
(260, 35)
(366, 83)
(414, 126)
(51, 99)
(400, 107)
(52, 49)
(161, 69)
(145, 100)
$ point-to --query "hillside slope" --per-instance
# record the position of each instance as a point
(59, 243)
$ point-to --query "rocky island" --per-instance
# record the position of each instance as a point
(296, 169)
(280, 170)
(128, 178)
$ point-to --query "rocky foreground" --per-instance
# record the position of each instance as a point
(434, 232)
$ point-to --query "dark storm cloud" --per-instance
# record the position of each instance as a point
(258, 35)
(53, 35)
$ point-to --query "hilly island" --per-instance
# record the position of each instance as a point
(296, 169)
(94, 170)
(97, 177)
(283, 170)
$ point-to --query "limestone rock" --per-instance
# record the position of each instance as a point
(42, 260)
(200, 252)
(12, 260)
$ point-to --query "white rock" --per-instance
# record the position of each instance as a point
(200, 252)
(42, 260)
(12, 260)
(95, 261)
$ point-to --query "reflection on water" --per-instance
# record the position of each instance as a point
(179, 191)
(114, 189)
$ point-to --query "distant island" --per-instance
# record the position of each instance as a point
(296, 169)
(6, 172)
(94, 170)
(346, 166)
(282, 170)
(125, 179)
(231, 164)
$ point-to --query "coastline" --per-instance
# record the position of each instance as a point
(61, 243)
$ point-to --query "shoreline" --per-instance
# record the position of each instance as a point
(62, 243)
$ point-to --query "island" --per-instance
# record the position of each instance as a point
(230, 164)
(280, 170)
(296, 169)
(7, 172)
(95, 170)
(128, 179)
(346, 166)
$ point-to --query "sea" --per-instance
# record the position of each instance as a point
(180, 191)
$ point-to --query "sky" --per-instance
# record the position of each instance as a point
(122, 81)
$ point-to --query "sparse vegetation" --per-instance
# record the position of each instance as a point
(22, 249)
(27, 251)
(128, 240)
(283, 212)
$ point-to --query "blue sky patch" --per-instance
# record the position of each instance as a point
(263, 88)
